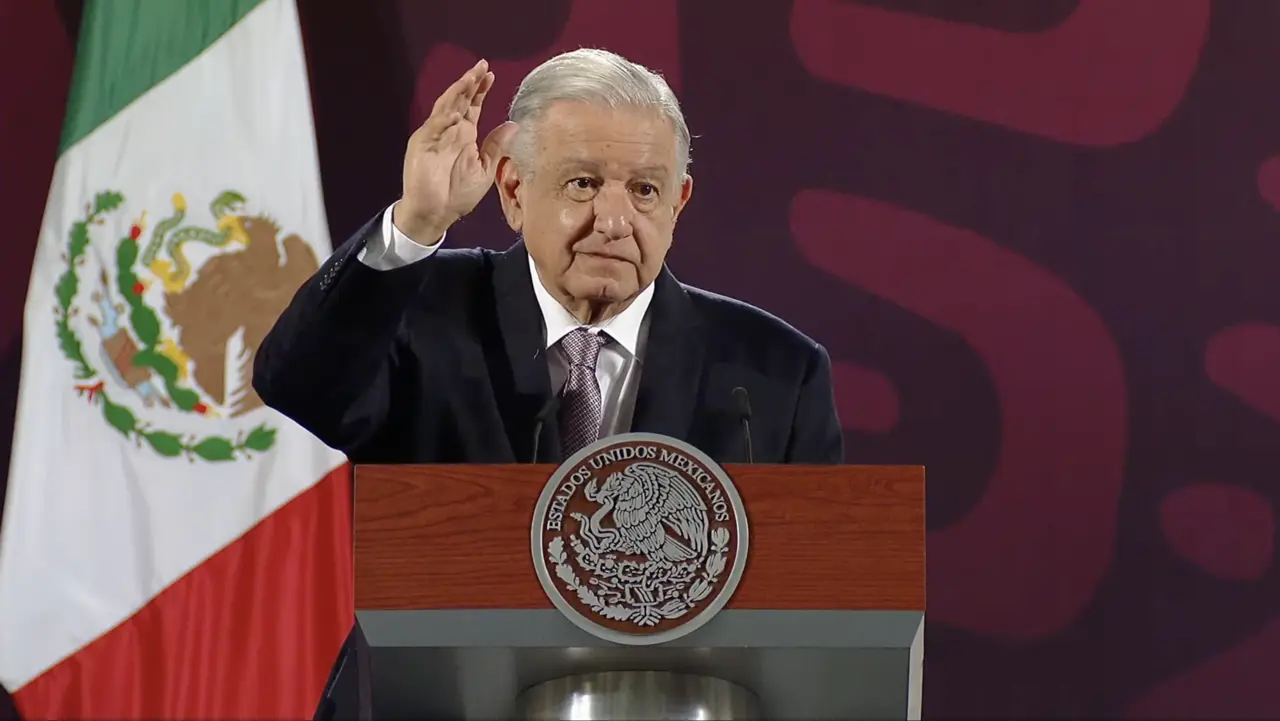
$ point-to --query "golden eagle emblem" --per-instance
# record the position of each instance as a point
(179, 314)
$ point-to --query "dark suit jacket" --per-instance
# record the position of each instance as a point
(442, 361)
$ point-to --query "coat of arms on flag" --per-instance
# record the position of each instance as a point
(173, 317)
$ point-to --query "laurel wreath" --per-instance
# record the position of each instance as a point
(146, 326)
(698, 590)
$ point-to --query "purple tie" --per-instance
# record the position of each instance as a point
(580, 404)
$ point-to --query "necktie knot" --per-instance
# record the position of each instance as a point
(582, 347)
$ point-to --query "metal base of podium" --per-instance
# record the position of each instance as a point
(803, 665)
(638, 696)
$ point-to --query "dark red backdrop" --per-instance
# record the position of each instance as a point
(1037, 237)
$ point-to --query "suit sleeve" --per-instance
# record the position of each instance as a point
(329, 361)
(816, 436)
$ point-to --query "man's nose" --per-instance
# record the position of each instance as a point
(613, 213)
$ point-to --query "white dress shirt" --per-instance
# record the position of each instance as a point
(619, 365)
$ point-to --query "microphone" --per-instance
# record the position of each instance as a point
(744, 414)
(540, 420)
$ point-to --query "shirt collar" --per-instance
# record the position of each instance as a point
(623, 328)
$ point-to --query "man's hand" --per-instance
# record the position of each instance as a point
(445, 172)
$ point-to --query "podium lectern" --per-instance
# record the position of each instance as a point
(826, 620)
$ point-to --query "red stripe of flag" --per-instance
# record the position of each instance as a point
(251, 633)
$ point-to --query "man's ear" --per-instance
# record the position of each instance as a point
(686, 192)
(510, 189)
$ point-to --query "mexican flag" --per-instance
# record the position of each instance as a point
(171, 548)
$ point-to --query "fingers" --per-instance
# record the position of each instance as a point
(496, 145)
(462, 99)
(477, 100)
(457, 97)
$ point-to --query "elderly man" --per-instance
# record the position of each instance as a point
(402, 351)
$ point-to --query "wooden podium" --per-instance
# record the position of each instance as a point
(827, 621)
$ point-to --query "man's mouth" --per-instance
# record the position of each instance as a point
(603, 256)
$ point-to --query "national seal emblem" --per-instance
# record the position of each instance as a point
(639, 539)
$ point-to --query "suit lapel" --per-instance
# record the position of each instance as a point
(525, 389)
(672, 363)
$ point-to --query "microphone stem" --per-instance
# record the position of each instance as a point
(537, 436)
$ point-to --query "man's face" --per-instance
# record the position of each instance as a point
(599, 206)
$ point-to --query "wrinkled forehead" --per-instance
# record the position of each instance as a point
(575, 135)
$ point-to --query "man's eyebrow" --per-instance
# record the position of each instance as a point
(582, 164)
(576, 164)
(654, 171)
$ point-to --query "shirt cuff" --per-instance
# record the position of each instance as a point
(391, 249)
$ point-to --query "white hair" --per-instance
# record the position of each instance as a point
(599, 77)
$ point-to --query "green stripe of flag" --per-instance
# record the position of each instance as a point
(127, 47)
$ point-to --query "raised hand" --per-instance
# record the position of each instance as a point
(445, 172)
